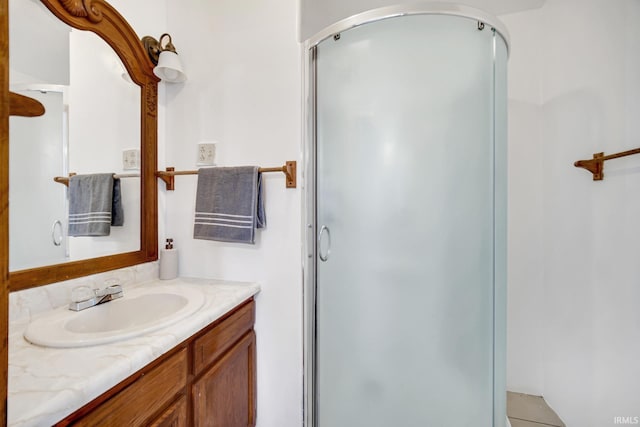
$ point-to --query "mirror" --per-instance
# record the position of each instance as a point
(100, 98)
(91, 118)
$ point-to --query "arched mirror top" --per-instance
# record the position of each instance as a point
(101, 18)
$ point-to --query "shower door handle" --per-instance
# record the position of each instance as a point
(324, 230)
(57, 226)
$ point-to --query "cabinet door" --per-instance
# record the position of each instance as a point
(174, 416)
(225, 396)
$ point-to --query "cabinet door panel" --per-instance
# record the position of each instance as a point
(225, 395)
(174, 416)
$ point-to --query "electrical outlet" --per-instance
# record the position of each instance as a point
(131, 159)
(206, 153)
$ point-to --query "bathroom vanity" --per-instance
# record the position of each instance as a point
(197, 371)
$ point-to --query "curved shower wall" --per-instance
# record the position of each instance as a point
(407, 209)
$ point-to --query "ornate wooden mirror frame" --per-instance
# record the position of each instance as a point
(101, 18)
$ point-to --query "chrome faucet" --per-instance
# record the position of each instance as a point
(84, 297)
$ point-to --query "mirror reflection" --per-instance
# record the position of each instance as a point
(91, 125)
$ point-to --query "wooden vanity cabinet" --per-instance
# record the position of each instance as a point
(208, 380)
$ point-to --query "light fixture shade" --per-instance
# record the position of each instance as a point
(169, 67)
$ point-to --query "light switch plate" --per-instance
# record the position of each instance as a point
(131, 159)
(206, 153)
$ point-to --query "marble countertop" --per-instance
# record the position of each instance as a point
(47, 384)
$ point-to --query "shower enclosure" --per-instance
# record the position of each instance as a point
(406, 220)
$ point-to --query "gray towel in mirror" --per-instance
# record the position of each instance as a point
(95, 204)
(117, 213)
(229, 204)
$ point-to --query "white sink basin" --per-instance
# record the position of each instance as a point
(140, 311)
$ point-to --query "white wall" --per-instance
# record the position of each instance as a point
(525, 200)
(244, 91)
(574, 279)
(146, 17)
(318, 14)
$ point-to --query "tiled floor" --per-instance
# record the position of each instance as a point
(525, 410)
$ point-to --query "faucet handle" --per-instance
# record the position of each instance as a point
(82, 293)
(109, 290)
(111, 287)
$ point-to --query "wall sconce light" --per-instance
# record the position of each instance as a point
(168, 65)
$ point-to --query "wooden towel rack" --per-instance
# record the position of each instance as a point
(65, 179)
(289, 169)
(596, 165)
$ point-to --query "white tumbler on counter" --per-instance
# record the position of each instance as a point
(168, 261)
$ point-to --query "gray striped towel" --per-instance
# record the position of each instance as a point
(94, 204)
(229, 205)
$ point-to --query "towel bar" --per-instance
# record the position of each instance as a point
(289, 169)
(65, 179)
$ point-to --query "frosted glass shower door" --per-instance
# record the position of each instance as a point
(38, 204)
(405, 207)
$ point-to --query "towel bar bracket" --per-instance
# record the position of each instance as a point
(594, 166)
(168, 177)
(290, 170)
(64, 180)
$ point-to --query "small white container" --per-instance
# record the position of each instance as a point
(168, 264)
(168, 261)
